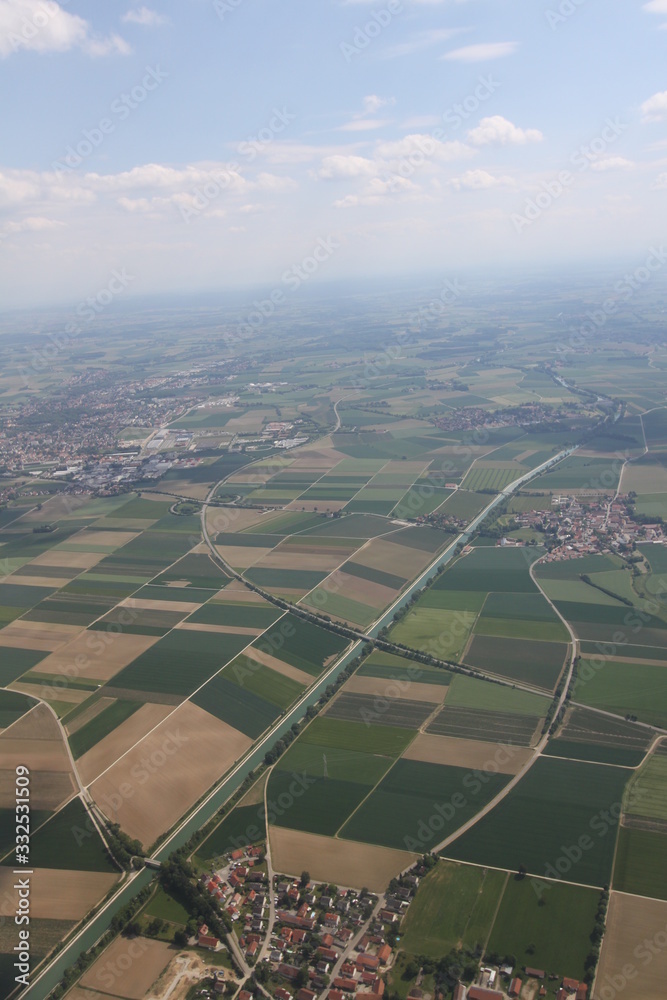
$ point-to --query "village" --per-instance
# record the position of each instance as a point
(577, 526)
(295, 939)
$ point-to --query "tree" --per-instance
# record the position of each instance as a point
(305, 878)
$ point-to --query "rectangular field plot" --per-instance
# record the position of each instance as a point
(400, 669)
(100, 726)
(454, 907)
(344, 608)
(647, 792)
(538, 663)
(320, 808)
(478, 724)
(368, 709)
(470, 692)
(586, 735)
(388, 741)
(641, 863)
(180, 662)
(555, 804)
(59, 843)
(236, 706)
(239, 615)
(491, 568)
(419, 804)
(441, 633)
(624, 688)
(547, 929)
(304, 644)
(575, 473)
(631, 923)
(492, 476)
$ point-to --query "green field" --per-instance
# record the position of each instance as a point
(546, 925)
(647, 792)
(180, 662)
(492, 569)
(441, 633)
(303, 644)
(236, 706)
(454, 907)
(538, 663)
(69, 841)
(15, 662)
(469, 692)
(99, 727)
(641, 863)
(388, 741)
(263, 681)
(418, 804)
(555, 804)
(624, 688)
(239, 615)
(243, 825)
(163, 905)
(13, 704)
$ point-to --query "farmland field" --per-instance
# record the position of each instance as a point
(538, 663)
(556, 803)
(545, 925)
(641, 863)
(622, 687)
(454, 906)
(632, 926)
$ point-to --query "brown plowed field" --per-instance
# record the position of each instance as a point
(165, 774)
(343, 862)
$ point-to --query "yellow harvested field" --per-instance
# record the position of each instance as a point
(241, 556)
(321, 505)
(644, 478)
(37, 635)
(136, 963)
(56, 894)
(285, 558)
(468, 753)
(168, 771)
(142, 604)
(344, 862)
(223, 629)
(286, 669)
(383, 687)
(107, 751)
(48, 789)
(113, 539)
(237, 593)
(634, 939)
(70, 560)
(96, 655)
(376, 595)
(55, 509)
(231, 519)
(393, 558)
(37, 581)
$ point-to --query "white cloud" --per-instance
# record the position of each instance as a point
(611, 163)
(373, 103)
(338, 167)
(423, 146)
(479, 180)
(364, 124)
(655, 109)
(144, 16)
(482, 52)
(35, 26)
(498, 131)
(421, 40)
(656, 7)
(660, 183)
(32, 224)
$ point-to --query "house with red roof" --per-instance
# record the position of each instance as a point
(206, 940)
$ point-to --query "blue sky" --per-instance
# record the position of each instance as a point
(202, 144)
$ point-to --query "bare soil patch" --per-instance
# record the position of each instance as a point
(70, 560)
(37, 581)
(288, 559)
(133, 964)
(113, 539)
(187, 607)
(241, 556)
(382, 687)
(169, 770)
(37, 635)
(631, 922)
(400, 559)
(344, 862)
(467, 753)
(48, 789)
(286, 669)
(57, 894)
(224, 629)
(107, 751)
(96, 655)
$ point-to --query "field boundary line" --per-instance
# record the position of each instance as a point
(495, 915)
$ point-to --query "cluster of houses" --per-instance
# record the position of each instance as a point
(241, 891)
(570, 989)
(581, 527)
